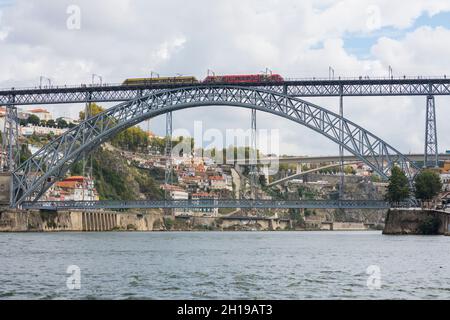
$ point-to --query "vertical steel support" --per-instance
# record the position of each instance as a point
(253, 158)
(431, 144)
(11, 147)
(11, 138)
(87, 115)
(341, 145)
(168, 154)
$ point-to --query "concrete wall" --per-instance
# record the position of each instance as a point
(230, 223)
(17, 221)
(5, 184)
(348, 226)
(405, 221)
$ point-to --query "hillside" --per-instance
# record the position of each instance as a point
(116, 179)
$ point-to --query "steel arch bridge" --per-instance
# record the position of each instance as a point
(36, 175)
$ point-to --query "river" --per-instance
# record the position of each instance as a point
(224, 265)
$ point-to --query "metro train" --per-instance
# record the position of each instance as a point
(161, 80)
(243, 78)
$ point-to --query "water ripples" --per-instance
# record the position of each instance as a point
(224, 265)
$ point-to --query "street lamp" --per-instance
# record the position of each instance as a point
(100, 78)
(391, 75)
(267, 71)
(330, 73)
(42, 78)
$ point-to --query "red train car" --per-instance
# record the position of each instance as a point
(244, 78)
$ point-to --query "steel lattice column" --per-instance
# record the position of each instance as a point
(253, 155)
(431, 144)
(11, 139)
(168, 154)
(341, 146)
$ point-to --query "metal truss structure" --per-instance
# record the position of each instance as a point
(11, 140)
(253, 155)
(431, 144)
(304, 88)
(205, 203)
(168, 154)
(33, 178)
(299, 174)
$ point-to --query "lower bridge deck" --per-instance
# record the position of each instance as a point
(206, 203)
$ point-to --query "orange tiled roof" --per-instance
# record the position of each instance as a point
(38, 110)
(75, 178)
(201, 194)
(67, 184)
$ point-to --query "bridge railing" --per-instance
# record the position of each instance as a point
(208, 203)
(287, 79)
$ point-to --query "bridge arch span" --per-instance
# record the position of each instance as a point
(33, 177)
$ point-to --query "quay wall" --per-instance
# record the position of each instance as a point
(49, 221)
(417, 221)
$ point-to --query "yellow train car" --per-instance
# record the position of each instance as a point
(161, 80)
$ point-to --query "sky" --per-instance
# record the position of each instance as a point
(68, 41)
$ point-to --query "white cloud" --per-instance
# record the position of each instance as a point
(120, 39)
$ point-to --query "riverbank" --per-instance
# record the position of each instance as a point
(51, 221)
(152, 220)
(417, 222)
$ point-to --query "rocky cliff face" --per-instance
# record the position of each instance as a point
(355, 188)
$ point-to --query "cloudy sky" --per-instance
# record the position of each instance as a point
(119, 39)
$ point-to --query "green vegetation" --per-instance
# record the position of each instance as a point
(398, 188)
(133, 139)
(305, 193)
(375, 178)
(116, 180)
(226, 210)
(169, 222)
(427, 185)
(92, 109)
(430, 226)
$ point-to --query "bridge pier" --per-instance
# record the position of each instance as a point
(98, 221)
(431, 144)
(341, 145)
(265, 170)
(299, 168)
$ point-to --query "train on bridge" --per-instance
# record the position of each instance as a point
(231, 79)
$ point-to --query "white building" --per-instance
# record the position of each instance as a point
(41, 113)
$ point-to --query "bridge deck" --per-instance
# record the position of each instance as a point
(199, 204)
(297, 88)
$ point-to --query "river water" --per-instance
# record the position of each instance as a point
(224, 265)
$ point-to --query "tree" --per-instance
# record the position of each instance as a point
(398, 188)
(349, 170)
(61, 123)
(132, 139)
(427, 185)
(93, 109)
(33, 120)
(51, 123)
